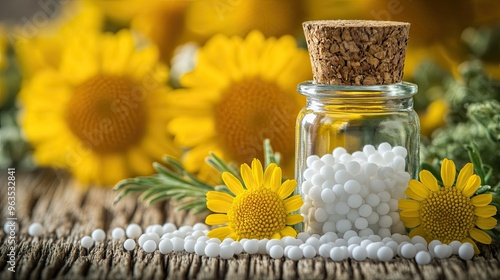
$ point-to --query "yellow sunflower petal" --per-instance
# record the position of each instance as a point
(413, 195)
(469, 240)
(485, 211)
(293, 203)
(220, 233)
(482, 199)
(418, 231)
(486, 223)
(407, 204)
(275, 182)
(277, 235)
(448, 172)
(218, 206)
(293, 219)
(472, 185)
(480, 236)
(287, 188)
(429, 180)
(257, 172)
(232, 183)
(215, 195)
(246, 175)
(288, 231)
(409, 214)
(418, 188)
(411, 222)
(216, 219)
(269, 173)
(464, 175)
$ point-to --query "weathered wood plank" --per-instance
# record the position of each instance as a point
(68, 214)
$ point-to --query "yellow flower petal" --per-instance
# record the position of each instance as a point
(216, 219)
(269, 173)
(288, 231)
(418, 231)
(246, 175)
(293, 219)
(220, 233)
(409, 214)
(232, 183)
(472, 185)
(418, 188)
(411, 222)
(222, 196)
(485, 211)
(407, 204)
(277, 235)
(411, 194)
(486, 223)
(429, 180)
(464, 175)
(287, 188)
(448, 172)
(482, 199)
(257, 172)
(469, 240)
(480, 236)
(293, 203)
(275, 182)
(218, 206)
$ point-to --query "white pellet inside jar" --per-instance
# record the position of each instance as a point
(355, 192)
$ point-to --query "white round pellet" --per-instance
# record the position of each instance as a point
(388, 156)
(87, 242)
(276, 252)
(317, 180)
(373, 200)
(311, 159)
(466, 251)
(342, 208)
(350, 248)
(35, 229)
(227, 240)
(375, 238)
(199, 248)
(327, 172)
(309, 251)
(340, 242)
(372, 249)
(262, 246)
(352, 215)
(342, 177)
(328, 159)
(350, 234)
(331, 236)
(320, 215)
(455, 245)
(149, 246)
(442, 251)
(420, 247)
(345, 252)
(251, 246)
(423, 258)
(385, 253)
(143, 238)
(158, 229)
(317, 165)
(433, 244)
(361, 223)
(359, 253)
(384, 232)
(365, 243)
(153, 236)
(315, 193)
(354, 200)
(393, 245)
(345, 158)
(328, 184)
(385, 221)
(387, 239)
(353, 167)
(118, 233)
(189, 245)
(308, 174)
(408, 251)
(149, 228)
(226, 251)
(338, 166)
(351, 186)
(377, 185)
(338, 189)
(337, 254)
(133, 231)
(295, 253)
(373, 218)
(214, 240)
(400, 151)
(339, 151)
(365, 232)
(400, 246)
(369, 149)
(383, 208)
(237, 247)
(393, 205)
(370, 169)
(354, 240)
(313, 241)
(200, 226)
(359, 155)
(418, 239)
(343, 225)
(178, 244)
(398, 163)
(376, 158)
(129, 244)
(203, 238)
(384, 147)
(278, 242)
(302, 236)
(288, 240)
(324, 250)
(365, 210)
(166, 246)
(212, 250)
(327, 195)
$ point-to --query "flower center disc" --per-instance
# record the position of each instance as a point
(251, 111)
(106, 113)
(447, 215)
(257, 214)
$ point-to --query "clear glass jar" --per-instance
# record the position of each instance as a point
(353, 117)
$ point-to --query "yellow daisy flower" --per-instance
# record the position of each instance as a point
(102, 112)
(449, 212)
(433, 117)
(240, 93)
(261, 209)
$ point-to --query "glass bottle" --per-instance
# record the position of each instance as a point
(353, 117)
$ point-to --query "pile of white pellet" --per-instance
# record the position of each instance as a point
(358, 191)
(168, 238)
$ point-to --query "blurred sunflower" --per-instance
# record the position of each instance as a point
(238, 17)
(241, 92)
(102, 112)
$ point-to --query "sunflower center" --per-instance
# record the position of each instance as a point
(106, 113)
(251, 111)
(447, 215)
(257, 214)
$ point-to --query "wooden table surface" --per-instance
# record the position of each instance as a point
(68, 213)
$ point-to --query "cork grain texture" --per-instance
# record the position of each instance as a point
(69, 214)
(357, 52)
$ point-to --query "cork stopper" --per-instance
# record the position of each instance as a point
(357, 52)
